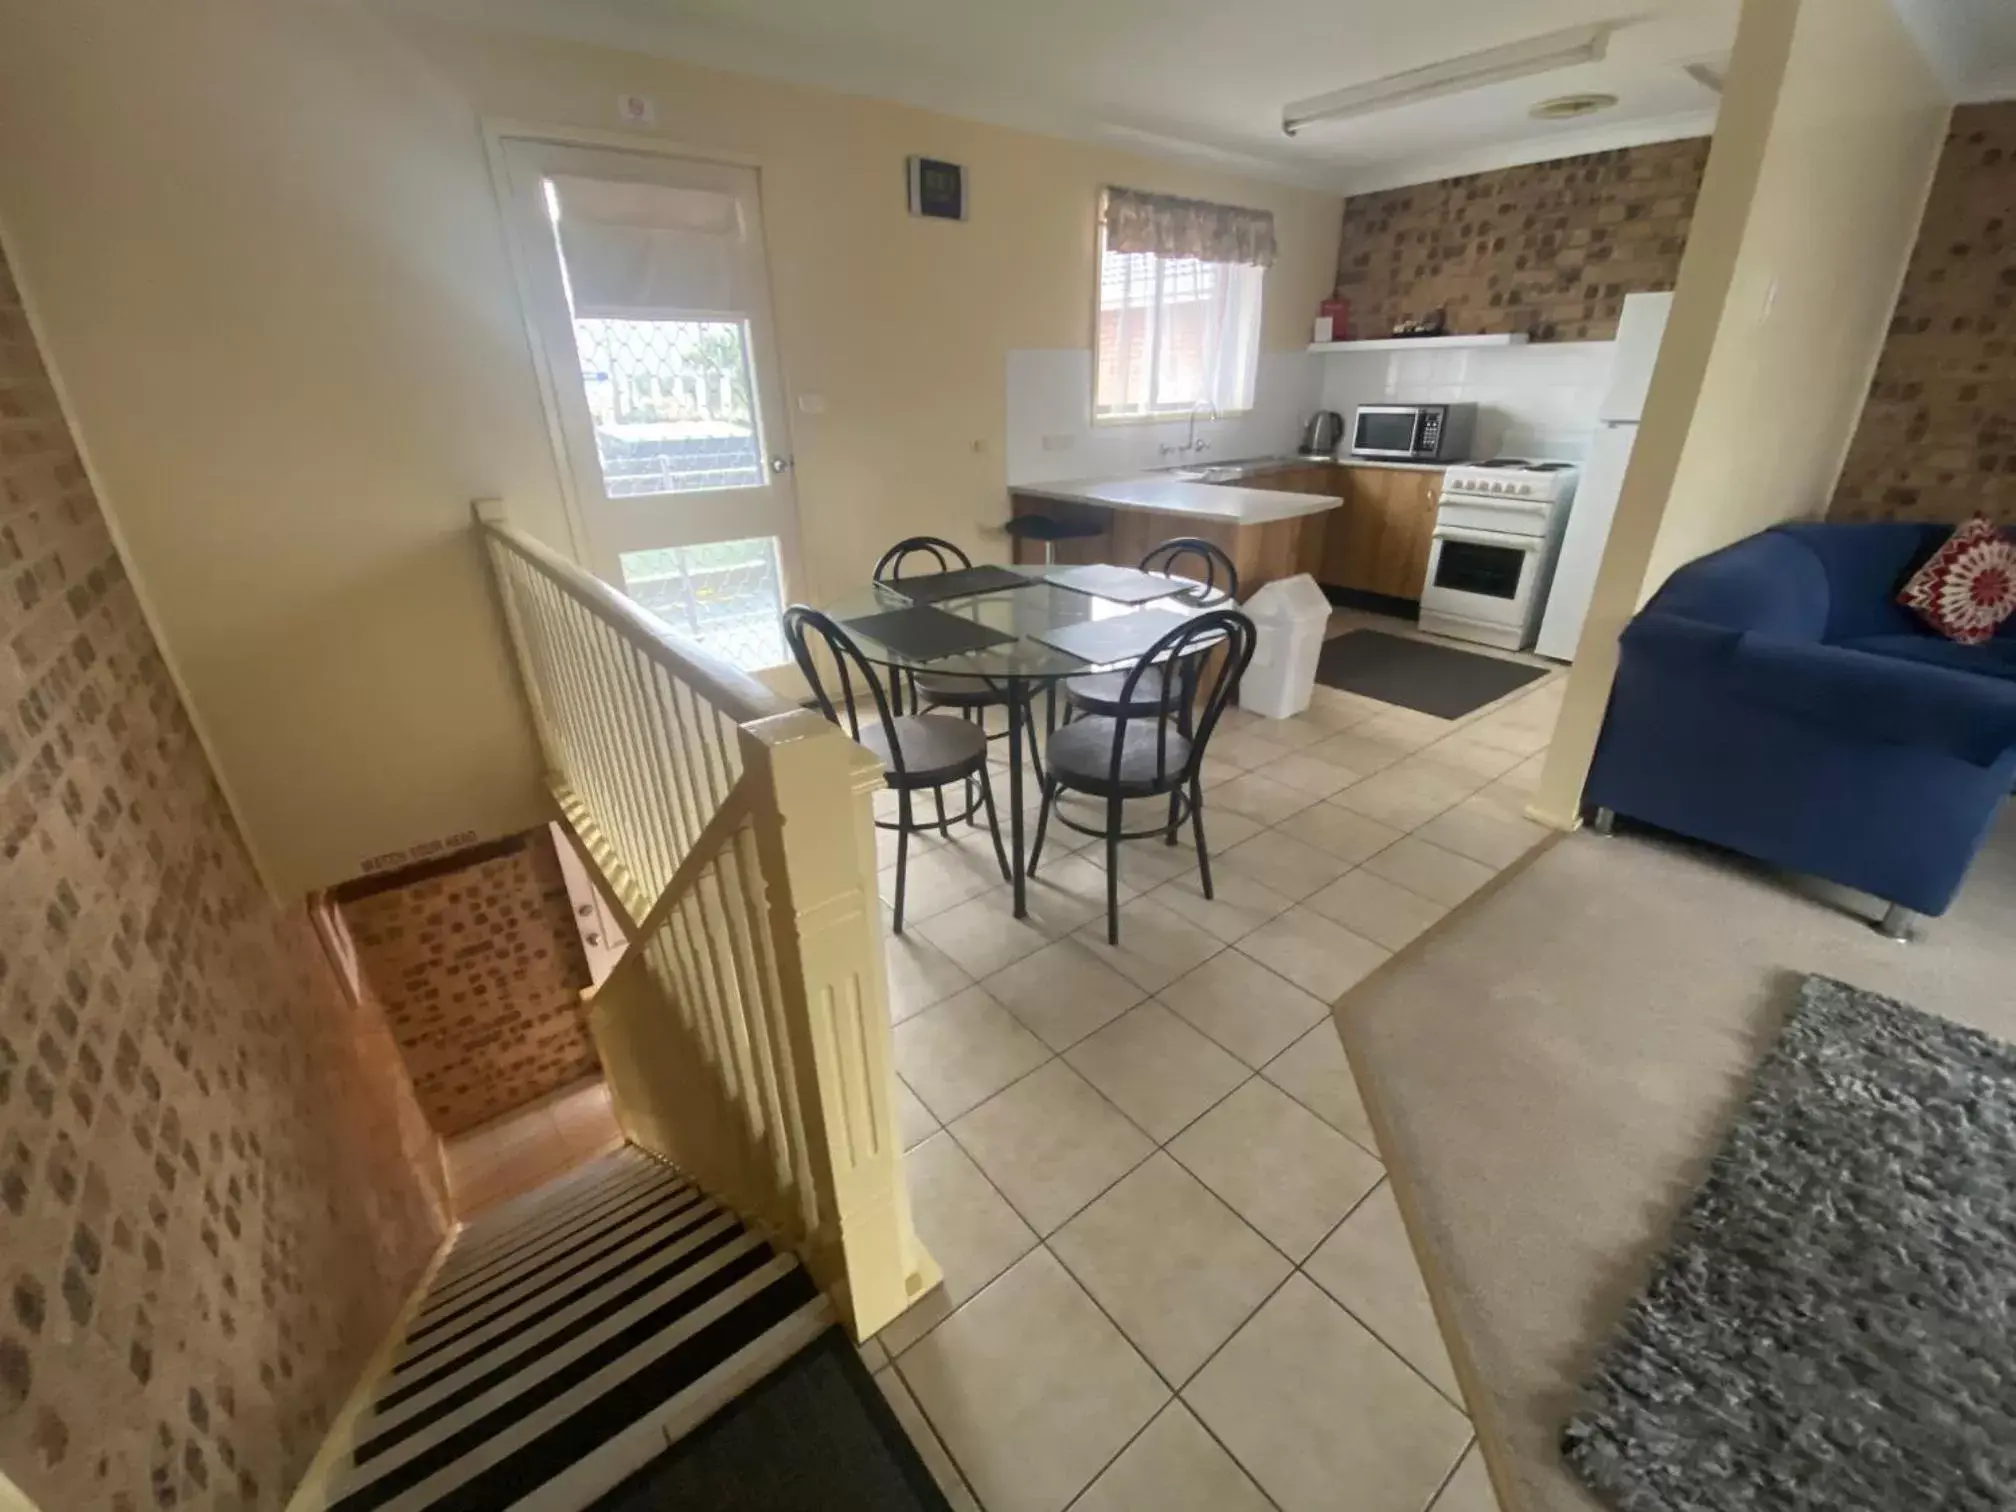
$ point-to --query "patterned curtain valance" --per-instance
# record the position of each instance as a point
(1170, 227)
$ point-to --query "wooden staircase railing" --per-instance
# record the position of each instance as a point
(745, 1032)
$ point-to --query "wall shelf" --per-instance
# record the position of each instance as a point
(1421, 343)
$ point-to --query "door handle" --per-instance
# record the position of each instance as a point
(780, 464)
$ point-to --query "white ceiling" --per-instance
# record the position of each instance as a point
(1205, 80)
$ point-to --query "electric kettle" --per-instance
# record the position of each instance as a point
(1321, 436)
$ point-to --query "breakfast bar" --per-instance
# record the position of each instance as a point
(1269, 532)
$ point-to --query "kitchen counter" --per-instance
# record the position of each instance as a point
(1158, 493)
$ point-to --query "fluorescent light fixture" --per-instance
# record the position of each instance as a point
(1495, 65)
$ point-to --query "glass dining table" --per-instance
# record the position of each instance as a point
(1023, 664)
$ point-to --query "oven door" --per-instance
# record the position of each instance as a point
(1483, 575)
(1386, 430)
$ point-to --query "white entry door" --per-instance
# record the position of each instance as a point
(649, 301)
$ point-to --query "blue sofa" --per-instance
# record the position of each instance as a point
(1775, 699)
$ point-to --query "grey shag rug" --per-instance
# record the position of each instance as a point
(1833, 1322)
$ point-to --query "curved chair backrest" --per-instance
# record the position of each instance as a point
(1189, 646)
(833, 686)
(1218, 571)
(944, 555)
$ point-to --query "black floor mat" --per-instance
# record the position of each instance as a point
(814, 1436)
(1438, 680)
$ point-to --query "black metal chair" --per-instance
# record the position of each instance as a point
(1099, 692)
(1137, 754)
(971, 696)
(917, 751)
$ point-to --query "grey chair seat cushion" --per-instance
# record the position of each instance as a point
(936, 748)
(960, 692)
(1081, 756)
(1100, 691)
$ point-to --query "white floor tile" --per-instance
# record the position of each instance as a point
(1156, 1069)
(1407, 795)
(1316, 1074)
(925, 1441)
(1311, 1403)
(936, 880)
(1310, 774)
(1063, 992)
(1261, 798)
(1243, 1006)
(920, 974)
(1320, 956)
(1430, 870)
(1285, 864)
(1157, 944)
(1051, 1143)
(1469, 1489)
(914, 1123)
(1383, 912)
(958, 1053)
(1238, 904)
(968, 1227)
(1346, 835)
(1368, 1265)
(1176, 1268)
(982, 935)
(1032, 1389)
(1174, 1466)
(1278, 1165)
(1479, 829)
(1359, 753)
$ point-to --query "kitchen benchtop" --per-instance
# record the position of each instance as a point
(1215, 489)
(1159, 493)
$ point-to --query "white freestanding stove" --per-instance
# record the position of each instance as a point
(1498, 529)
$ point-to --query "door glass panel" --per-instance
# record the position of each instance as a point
(670, 404)
(1468, 567)
(724, 594)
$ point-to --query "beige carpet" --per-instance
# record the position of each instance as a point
(1549, 1069)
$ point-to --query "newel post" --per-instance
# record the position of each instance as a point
(816, 838)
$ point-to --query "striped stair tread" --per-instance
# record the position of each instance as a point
(573, 1335)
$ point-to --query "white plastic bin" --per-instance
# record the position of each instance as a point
(1291, 614)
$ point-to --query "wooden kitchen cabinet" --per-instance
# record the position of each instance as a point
(1379, 541)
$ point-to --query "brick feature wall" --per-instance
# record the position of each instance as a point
(1550, 249)
(479, 964)
(1937, 439)
(215, 1187)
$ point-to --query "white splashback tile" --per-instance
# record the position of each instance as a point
(1538, 400)
(1050, 400)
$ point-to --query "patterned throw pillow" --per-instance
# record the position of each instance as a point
(1969, 586)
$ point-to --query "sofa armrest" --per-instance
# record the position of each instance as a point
(1878, 698)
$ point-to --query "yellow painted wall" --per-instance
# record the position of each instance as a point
(1824, 151)
(261, 243)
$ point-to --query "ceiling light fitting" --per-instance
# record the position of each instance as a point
(1568, 107)
(1496, 65)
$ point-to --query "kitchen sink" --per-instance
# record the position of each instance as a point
(1209, 474)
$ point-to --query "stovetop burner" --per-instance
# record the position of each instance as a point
(1521, 462)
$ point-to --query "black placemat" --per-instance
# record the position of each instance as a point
(1438, 680)
(963, 582)
(1123, 585)
(1121, 638)
(924, 634)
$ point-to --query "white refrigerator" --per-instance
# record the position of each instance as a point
(1638, 336)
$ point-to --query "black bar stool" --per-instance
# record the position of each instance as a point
(1050, 530)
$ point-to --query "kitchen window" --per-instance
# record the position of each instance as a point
(1180, 285)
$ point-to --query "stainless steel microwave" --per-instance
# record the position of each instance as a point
(1413, 432)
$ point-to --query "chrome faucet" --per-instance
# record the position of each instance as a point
(1192, 442)
(1197, 443)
